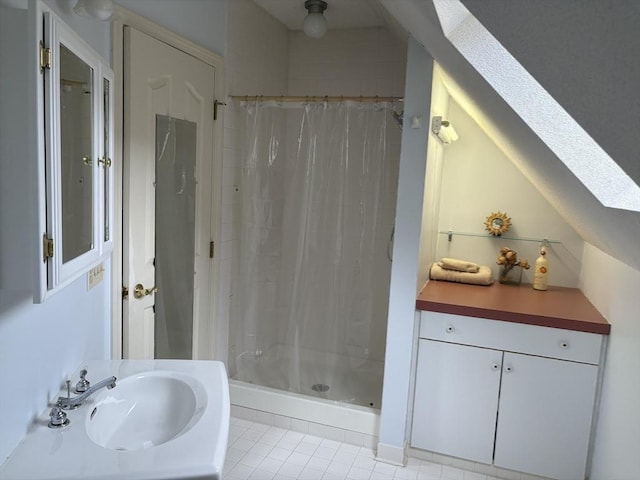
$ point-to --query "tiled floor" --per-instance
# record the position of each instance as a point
(262, 452)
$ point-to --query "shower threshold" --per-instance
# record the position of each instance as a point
(328, 389)
(352, 418)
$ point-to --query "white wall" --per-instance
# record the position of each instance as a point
(400, 320)
(95, 33)
(204, 22)
(478, 179)
(433, 181)
(613, 289)
(40, 345)
(364, 61)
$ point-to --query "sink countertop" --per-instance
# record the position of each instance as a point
(557, 307)
(68, 453)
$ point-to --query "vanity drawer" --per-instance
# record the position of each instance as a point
(514, 337)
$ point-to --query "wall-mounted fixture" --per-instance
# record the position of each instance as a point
(444, 130)
(315, 25)
(398, 117)
(97, 9)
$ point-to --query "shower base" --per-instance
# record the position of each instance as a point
(351, 402)
(348, 380)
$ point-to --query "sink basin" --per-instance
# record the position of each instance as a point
(165, 419)
(145, 410)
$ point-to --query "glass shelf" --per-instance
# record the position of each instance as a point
(451, 233)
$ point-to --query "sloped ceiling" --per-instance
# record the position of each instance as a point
(615, 231)
(585, 54)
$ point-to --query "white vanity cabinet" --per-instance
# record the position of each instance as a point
(516, 396)
(456, 398)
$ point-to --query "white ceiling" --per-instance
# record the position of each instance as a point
(339, 13)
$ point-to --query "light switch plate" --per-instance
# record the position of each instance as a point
(94, 276)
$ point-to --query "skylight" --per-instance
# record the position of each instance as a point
(599, 173)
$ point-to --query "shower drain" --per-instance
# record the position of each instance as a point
(320, 387)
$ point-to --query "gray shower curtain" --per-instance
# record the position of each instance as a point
(317, 210)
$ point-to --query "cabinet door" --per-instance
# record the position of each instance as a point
(544, 419)
(456, 400)
(75, 194)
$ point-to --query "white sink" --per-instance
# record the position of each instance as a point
(145, 410)
(165, 419)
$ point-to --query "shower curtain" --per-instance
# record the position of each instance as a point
(317, 190)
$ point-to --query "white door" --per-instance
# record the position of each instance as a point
(456, 400)
(544, 421)
(163, 83)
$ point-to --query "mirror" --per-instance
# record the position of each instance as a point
(497, 223)
(76, 147)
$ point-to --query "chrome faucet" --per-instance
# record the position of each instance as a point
(71, 403)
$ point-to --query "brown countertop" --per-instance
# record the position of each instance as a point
(557, 307)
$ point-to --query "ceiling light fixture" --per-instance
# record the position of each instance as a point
(97, 9)
(315, 25)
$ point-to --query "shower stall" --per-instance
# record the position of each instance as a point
(316, 213)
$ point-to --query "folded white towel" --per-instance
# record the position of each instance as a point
(459, 265)
(482, 277)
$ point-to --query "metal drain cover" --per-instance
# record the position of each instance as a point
(320, 387)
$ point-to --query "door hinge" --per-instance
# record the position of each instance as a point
(45, 58)
(216, 103)
(47, 247)
(125, 293)
(211, 248)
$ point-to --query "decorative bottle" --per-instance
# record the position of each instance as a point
(541, 272)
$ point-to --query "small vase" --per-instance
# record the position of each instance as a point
(511, 276)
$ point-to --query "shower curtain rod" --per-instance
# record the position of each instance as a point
(314, 98)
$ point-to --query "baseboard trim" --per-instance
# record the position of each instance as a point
(391, 454)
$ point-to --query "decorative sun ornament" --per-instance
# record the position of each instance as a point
(497, 223)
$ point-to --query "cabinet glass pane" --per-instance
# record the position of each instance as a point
(76, 146)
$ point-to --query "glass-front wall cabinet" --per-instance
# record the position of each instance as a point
(78, 141)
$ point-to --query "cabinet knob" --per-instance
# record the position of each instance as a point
(564, 344)
(495, 366)
(449, 328)
(508, 369)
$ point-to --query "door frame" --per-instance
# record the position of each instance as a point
(124, 17)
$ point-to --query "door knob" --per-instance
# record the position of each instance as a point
(139, 291)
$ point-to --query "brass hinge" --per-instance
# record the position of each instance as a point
(216, 103)
(45, 58)
(47, 247)
(211, 249)
(125, 293)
